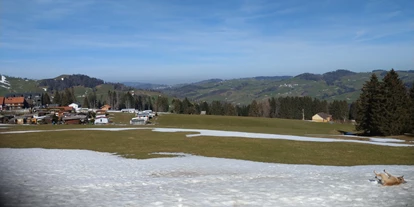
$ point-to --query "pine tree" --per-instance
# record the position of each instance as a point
(205, 107)
(85, 102)
(229, 109)
(216, 108)
(45, 99)
(56, 98)
(369, 107)
(411, 123)
(396, 104)
(352, 111)
(273, 107)
(177, 106)
(339, 110)
(254, 109)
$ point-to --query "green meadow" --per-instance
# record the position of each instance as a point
(141, 143)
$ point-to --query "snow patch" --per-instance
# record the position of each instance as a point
(41, 177)
(386, 140)
(203, 132)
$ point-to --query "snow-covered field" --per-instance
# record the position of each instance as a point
(44, 177)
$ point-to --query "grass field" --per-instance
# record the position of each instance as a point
(141, 143)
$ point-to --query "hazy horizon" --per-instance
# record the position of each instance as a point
(168, 82)
(175, 41)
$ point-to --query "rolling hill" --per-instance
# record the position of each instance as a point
(82, 85)
(335, 85)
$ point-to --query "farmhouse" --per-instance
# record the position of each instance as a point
(321, 117)
(12, 103)
(32, 99)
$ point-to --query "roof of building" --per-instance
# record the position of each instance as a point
(324, 115)
(14, 100)
(1, 100)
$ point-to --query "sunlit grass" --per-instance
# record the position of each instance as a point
(141, 143)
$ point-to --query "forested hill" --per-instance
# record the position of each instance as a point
(81, 84)
(336, 85)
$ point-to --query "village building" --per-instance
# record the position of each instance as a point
(322, 117)
(14, 103)
(32, 99)
(100, 117)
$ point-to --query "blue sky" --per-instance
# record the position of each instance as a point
(175, 41)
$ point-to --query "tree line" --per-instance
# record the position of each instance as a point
(282, 107)
(116, 100)
(385, 107)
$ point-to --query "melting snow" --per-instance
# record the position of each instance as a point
(40, 177)
(218, 133)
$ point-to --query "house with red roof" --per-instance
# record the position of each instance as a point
(12, 103)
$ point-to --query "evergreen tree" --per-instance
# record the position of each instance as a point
(396, 104)
(229, 109)
(352, 111)
(205, 107)
(45, 99)
(273, 108)
(242, 110)
(176, 106)
(411, 95)
(85, 103)
(67, 97)
(187, 106)
(162, 103)
(254, 109)
(216, 108)
(369, 107)
(56, 98)
(339, 110)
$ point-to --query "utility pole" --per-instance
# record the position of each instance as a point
(303, 114)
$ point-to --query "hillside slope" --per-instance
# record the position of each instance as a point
(335, 85)
(82, 85)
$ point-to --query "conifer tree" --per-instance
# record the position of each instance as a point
(369, 107)
(339, 110)
(216, 108)
(352, 111)
(411, 96)
(45, 99)
(254, 109)
(85, 103)
(56, 98)
(396, 105)
(229, 109)
(177, 106)
(205, 107)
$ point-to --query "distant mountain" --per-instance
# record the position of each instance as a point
(139, 85)
(336, 85)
